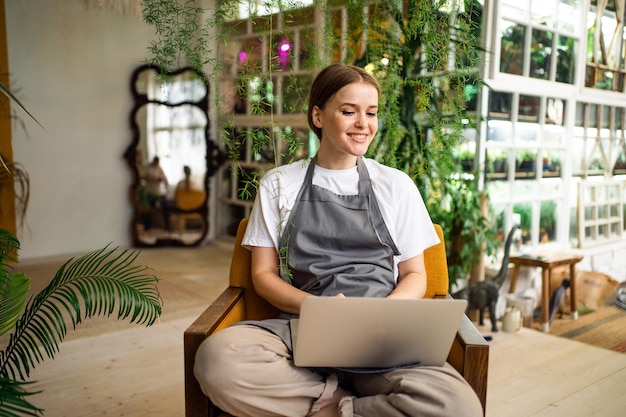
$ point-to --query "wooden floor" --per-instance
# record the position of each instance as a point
(139, 371)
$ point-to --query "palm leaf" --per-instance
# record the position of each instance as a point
(12, 400)
(13, 287)
(9, 245)
(13, 292)
(92, 285)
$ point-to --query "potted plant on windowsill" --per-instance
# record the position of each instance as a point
(101, 283)
(525, 161)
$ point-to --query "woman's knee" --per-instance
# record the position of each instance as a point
(424, 391)
(235, 358)
(212, 366)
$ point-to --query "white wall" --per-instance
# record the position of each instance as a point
(72, 67)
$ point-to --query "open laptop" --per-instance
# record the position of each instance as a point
(374, 333)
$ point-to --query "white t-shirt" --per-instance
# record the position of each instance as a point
(397, 196)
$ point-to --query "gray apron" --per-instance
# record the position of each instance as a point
(335, 244)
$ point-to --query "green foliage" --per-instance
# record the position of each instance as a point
(425, 57)
(99, 283)
(460, 210)
(13, 399)
(13, 287)
(181, 39)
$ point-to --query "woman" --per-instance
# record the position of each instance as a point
(338, 225)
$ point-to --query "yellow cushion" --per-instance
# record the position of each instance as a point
(436, 268)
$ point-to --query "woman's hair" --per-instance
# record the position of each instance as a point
(330, 80)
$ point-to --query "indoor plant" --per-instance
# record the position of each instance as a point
(100, 283)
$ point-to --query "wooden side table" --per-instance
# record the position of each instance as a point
(546, 263)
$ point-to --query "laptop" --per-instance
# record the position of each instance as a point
(374, 334)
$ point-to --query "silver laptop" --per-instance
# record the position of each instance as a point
(374, 333)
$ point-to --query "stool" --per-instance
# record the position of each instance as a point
(547, 263)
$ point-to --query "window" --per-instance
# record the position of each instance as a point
(600, 210)
(605, 45)
(533, 43)
(526, 142)
(599, 145)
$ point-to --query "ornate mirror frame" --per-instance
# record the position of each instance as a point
(169, 120)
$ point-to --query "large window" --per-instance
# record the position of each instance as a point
(526, 144)
(534, 43)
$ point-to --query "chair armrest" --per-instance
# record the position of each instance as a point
(469, 355)
(227, 309)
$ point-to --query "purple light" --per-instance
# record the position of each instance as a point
(284, 47)
(243, 55)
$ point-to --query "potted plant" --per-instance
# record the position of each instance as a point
(525, 161)
(101, 283)
(497, 162)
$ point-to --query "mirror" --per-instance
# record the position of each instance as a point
(171, 157)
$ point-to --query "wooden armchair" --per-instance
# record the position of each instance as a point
(469, 353)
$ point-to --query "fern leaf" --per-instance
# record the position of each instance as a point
(12, 398)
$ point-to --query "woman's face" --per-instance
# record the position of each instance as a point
(348, 120)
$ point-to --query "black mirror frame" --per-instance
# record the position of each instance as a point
(214, 156)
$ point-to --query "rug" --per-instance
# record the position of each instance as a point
(604, 327)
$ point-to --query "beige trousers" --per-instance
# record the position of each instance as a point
(249, 372)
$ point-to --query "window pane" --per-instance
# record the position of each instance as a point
(596, 164)
(514, 8)
(526, 132)
(500, 105)
(569, 15)
(524, 210)
(497, 164)
(547, 221)
(551, 163)
(528, 109)
(499, 131)
(543, 12)
(580, 114)
(566, 62)
(525, 163)
(620, 164)
(578, 149)
(553, 135)
(512, 48)
(541, 54)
